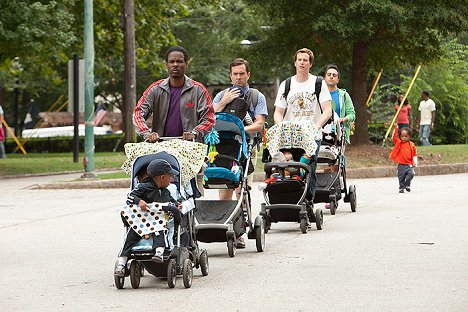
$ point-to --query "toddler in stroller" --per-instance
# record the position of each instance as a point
(178, 258)
(287, 183)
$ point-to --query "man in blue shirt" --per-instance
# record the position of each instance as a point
(240, 74)
(341, 100)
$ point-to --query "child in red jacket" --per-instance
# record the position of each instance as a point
(404, 153)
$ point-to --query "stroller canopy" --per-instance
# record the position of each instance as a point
(293, 134)
(226, 122)
(190, 155)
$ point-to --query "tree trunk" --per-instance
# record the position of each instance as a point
(129, 72)
(359, 93)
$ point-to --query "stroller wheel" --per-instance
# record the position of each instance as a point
(204, 265)
(333, 207)
(352, 197)
(119, 281)
(135, 274)
(171, 273)
(260, 236)
(266, 224)
(303, 225)
(187, 273)
(319, 218)
(231, 247)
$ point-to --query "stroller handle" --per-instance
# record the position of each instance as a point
(161, 139)
(175, 212)
(286, 164)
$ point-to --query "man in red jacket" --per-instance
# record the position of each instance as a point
(180, 106)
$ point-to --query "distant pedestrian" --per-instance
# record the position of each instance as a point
(404, 153)
(2, 135)
(404, 118)
(426, 118)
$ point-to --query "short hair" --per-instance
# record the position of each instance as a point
(426, 92)
(332, 66)
(408, 130)
(305, 50)
(239, 61)
(177, 49)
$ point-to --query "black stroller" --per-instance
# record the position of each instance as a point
(179, 259)
(331, 173)
(228, 168)
(287, 183)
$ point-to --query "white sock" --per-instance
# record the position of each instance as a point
(159, 251)
(123, 260)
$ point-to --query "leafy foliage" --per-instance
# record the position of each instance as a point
(446, 80)
(32, 41)
(371, 34)
(212, 34)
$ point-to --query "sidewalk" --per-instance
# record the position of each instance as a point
(355, 173)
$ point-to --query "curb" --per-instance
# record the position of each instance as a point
(352, 173)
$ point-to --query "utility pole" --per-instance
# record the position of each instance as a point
(88, 161)
(129, 72)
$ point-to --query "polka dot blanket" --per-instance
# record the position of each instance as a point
(292, 134)
(145, 222)
(190, 155)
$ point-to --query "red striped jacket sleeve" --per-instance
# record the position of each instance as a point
(206, 111)
(142, 110)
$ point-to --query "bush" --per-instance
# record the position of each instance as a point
(102, 143)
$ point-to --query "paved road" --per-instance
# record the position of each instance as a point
(398, 252)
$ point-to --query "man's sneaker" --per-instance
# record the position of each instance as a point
(408, 189)
(240, 243)
(119, 270)
(402, 191)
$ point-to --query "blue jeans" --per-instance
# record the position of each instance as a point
(313, 178)
(424, 134)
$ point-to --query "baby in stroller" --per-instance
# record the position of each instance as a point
(151, 189)
(287, 183)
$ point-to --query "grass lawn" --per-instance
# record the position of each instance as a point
(36, 163)
(43, 163)
(450, 154)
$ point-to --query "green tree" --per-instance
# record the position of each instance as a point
(213, 33)
(368, 34)
(35, 45)
(32, 41)
(445, 79)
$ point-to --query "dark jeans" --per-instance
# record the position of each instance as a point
(405, 175)
(2, 149)
(313, 178)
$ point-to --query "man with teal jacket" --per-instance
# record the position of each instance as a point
(341, 100)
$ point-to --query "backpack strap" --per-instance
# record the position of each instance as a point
(318, 88)
(287, 87)
(253, 97)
